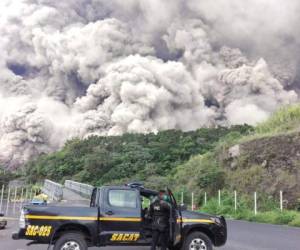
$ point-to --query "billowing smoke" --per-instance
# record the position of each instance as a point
(77, 68)
(144, 94)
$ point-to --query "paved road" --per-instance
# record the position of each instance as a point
(242, 236)
(254, 236)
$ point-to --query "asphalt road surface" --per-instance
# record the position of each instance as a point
(242, 236)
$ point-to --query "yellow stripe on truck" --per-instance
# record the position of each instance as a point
(120, 219)
(195, 221)
(86, 218)
(52, 217)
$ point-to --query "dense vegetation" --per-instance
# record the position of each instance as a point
(6, 176)
(152, 158)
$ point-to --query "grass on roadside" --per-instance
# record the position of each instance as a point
(268, 214)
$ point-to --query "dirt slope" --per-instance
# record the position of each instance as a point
(267, 164)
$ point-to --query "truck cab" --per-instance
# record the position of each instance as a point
(118, 215)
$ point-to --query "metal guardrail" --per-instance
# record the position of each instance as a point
(53, 190)
(81, 188)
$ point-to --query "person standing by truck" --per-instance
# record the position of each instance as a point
(160, 214)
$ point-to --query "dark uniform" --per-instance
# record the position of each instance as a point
(160, 214)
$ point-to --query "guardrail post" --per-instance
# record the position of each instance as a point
(1, 201)
(181, 197)
(281, 201)
(15, 200)
(219, 197)
(26, 194)
(205, 198)
(7, 202)
(255, 203)
(235, 201)
(192, 201)
(21, 201)
(30, 195)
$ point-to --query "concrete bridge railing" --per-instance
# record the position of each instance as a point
(53, 190)
(80, 188)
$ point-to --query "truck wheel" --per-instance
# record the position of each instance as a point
(71, 241)
(198, 241)
(175, 248)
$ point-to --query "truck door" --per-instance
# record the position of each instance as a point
(175, 222)
(120, 216)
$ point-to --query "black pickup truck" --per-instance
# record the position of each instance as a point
(117, 216)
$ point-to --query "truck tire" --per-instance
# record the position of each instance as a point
(197, 240)
(175, 248)
(71, 241)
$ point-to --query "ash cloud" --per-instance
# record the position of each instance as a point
(145, 94)
(77, 68)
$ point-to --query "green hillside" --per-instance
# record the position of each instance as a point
(151, 158)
